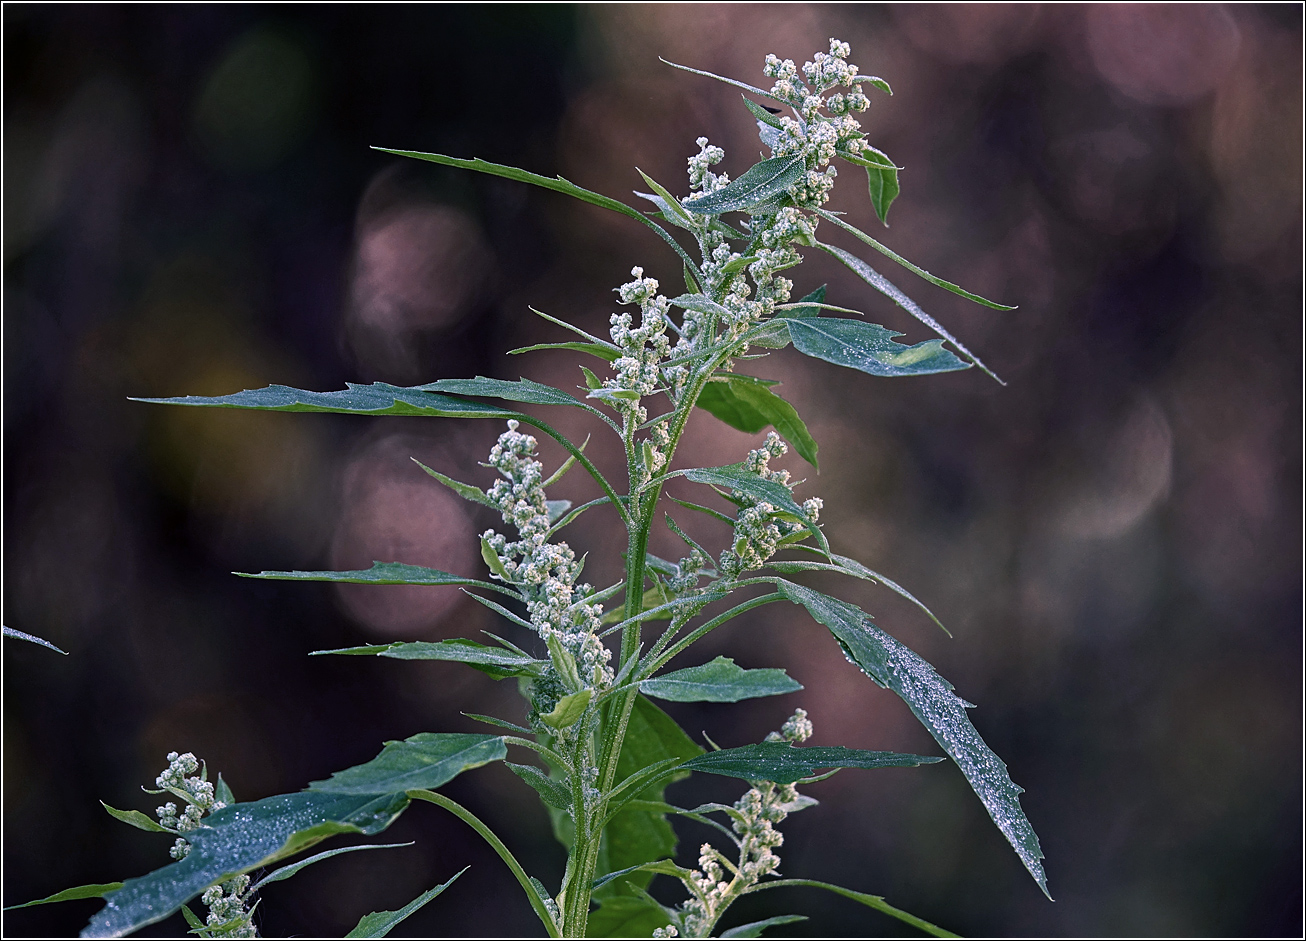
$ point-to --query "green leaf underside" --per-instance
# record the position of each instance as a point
(379, 398)
(381, 573)
(750, 406)
(882, 186)
(719, 681)
(94, 891)
(889, 290)
(524, 390)
(931, 698)
(426, 760)
(869, 348)
(135, 818)
(634, 837)
(766, 117)
(558, 185)
(754, 929)
(495, 661)
(759, 184)
(379, 924)
(285, 872)
(237, 839)
(32, 638)
(738, 477)
(626, 916)
(784, 763)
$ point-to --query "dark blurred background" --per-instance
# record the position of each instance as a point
(190, 206)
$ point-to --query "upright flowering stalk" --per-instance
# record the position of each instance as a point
(604, 752)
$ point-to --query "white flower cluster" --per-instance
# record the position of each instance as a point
(702, 180)
(197, 792)
(756, 816)
(643, 348)
(544, 572)
(758, 530)
(227, 915)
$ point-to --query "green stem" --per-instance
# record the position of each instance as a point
(656, 663)
(461, 812)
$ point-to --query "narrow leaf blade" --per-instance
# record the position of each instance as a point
(869, 348)
(722, 680)
(738, 477)
(750, 406)
(754, 929)
(94, 891)
(759, 184)
(379, 398)
(135, 818)
(379, 924)
(784, 763)
(381, 573)
(32, 638)
(426, 760)
(285, 872)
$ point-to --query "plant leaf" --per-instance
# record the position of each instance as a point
(379, 924)
(594, 349)
(495, 661)
(192, 919)
(653, 597)
(379, 398)
(738, 477)
(466, 491)
(425, 760)
(750, 406)
(381, 573)
(854, 568)
(784, 763)
(569, 709)
(673, 207)
(626, 916)
(32, 638)
(876, 902)
(760, 183)
(96, 890)
(237, 839)
(719, 681)
(137, 819)
(815, 298)
(931, 698)
(285, 872)
(558, 185)
(869, 348)
(885, 287)
(875, 80)
(523, 390)
(888, 252)
(222, 791)
(554, 793)
(729, 81)
(754, 929)
(766, 117)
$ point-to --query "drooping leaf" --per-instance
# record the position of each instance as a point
(759, 184)
(496, 661)
(738, 477)
(379, 924)
(379, 398)
(722, 680)
(666, 867)
(523, 390)
(754, 929)
(931, 698)
(94, 891)
(558, 185)
(32, 638)
(425, 760)
(381, 573)
(626, 916)
(875, 80)
(466, 491)
(237, 839)
(881, 180)
(633, 837)
(137, 819)
(552, 792)
(842, 563)
(869, 348)
(889, 290)
(750, 406)
(729, 81)
(784, 763)
(673, 207)
(285, 872)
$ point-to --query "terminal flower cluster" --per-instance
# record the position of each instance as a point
(544, 572)
(197, 791)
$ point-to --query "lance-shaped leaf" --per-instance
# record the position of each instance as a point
(32, 638)
(285, 872)
(738, 477)
(379, 924)
(747, 404)
(869, 348)
(379, 398)
(889, 290)
(762, 114)
(558, 185)
(784, 763)
(881, 180)
(594, 349)
(932, 700)
(136, 819)
(381, 573)
(496, 661)
(759, 184)
(523, 390)
(426, 760)
(722, 680)
(842, 563)
(96, 890)
(626, 916)
(552, 792)
(754, 929)
(466, 491)
(237, 839)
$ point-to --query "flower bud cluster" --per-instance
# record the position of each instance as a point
(643, 348)
(196, 791)
(544, 572)
(226, 903)
(690, 568)
(702, 180)
(758, 529)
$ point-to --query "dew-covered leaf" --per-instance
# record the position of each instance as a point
(568, 710)
(381, 573)
(653, 597)
(466, 491)
(931, 698)
(94, 891)
(523, 390)
(754, 929)
(137, 819)
(759, 184)
(889, 290)
(626, 916)
(379, 398)
(719, 681)
(672, 205)
(747, 404)
(769, 136)
(554, 793)
(738, 477)
(869, 348)
(379, 924)
(496, 661)
(784, 763)
(594, 349)
(222, 791)
(842, 563)
(815, 298)
(32, 638)
(729, 81)
(237, 839)
(763, 115)
(425, 760)
(285, 872)
(875, 80)
(701, 304)
(556, 508)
